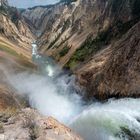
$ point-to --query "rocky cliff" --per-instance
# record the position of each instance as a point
(64, 27)
(28, 124)
(111, 69)
(98, 39)
(82, 35)
(114, 71)
(14, 30)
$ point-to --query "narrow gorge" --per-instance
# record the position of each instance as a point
(77, 61)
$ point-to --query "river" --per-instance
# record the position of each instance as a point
(53, 93)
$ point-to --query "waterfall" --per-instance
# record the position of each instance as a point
(54, 94)
(114, 120)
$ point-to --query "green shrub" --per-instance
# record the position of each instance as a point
(89, 47)
(64, 51)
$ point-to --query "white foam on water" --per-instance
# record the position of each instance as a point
(109, 121)
(113, 120)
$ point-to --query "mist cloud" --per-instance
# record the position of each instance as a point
(50, 97)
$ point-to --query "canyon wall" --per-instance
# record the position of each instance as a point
(14, 30)
(84, 36)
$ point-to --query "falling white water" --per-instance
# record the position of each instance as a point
(55, 96)
(114, 120)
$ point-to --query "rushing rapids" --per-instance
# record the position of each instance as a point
(53, 93)
(114, 120)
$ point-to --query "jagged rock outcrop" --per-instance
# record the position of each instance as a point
(14, 29)
(28, 124)
(114, 72)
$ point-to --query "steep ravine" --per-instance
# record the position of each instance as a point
(18, 120)
(102, 49)
(82, 36)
